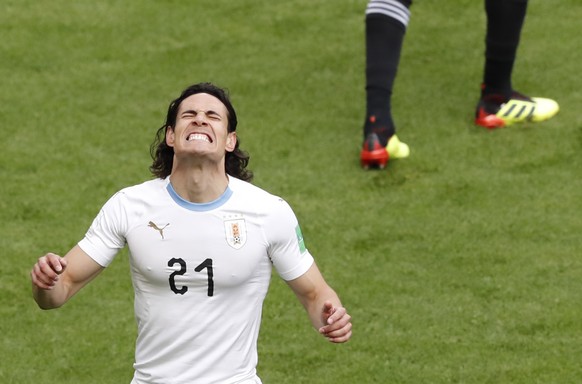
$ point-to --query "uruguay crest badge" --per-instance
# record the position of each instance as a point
(236, 232)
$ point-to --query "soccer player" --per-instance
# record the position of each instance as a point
(499, 105)
(202, 243)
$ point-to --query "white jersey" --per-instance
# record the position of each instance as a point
(200, 274)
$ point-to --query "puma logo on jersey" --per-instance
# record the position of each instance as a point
(160, 230)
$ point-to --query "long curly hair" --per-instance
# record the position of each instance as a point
(163, 155)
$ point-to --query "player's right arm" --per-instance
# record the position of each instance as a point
(56, 279)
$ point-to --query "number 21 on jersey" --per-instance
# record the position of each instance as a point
(206, 264)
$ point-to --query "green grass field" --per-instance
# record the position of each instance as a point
(460, 264)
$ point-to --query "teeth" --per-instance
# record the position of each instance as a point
(198, 136)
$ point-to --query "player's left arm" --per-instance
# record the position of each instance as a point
(323, 305)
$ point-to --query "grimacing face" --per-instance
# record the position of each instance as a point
(201, 128)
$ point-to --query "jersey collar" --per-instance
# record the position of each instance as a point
(199, 207)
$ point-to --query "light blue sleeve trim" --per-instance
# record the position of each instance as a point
(199, 207)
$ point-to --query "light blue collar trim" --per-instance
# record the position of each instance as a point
(199, 207)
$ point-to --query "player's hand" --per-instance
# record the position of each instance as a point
(339, 325)
(45, 273)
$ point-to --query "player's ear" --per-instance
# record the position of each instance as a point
(170, 136)
(231, 142)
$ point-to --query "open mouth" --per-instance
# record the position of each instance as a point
(199, 136)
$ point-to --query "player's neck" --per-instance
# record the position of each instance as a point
(199, 185)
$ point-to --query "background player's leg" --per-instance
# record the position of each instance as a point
(386, 23)
(499, 104)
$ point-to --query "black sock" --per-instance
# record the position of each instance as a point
(384, 37)
(504, 23)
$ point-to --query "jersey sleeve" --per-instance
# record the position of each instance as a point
(106, 235)
(286, 249)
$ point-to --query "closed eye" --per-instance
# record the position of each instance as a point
(212, 115)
